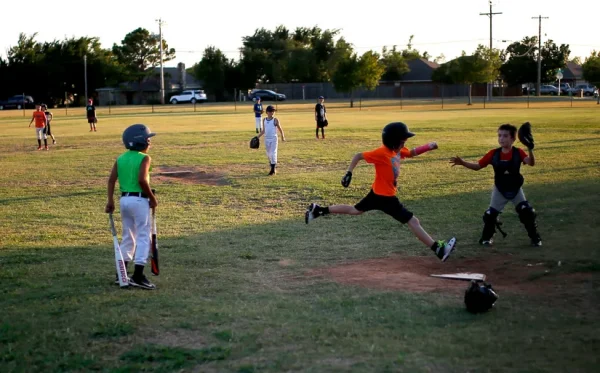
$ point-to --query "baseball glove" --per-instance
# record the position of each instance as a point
(480, 297)
(347, 179)
(525, 135)
(325, 123)
(255, 143)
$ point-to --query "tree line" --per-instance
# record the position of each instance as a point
(54, 70)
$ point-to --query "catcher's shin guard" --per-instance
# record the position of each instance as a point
(490, 222)
(527, 216)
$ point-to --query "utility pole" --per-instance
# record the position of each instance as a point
(162, 72)
(491, 15)
(85, 76)
(538, 85)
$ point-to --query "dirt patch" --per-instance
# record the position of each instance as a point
(188, 175)
(413, 274)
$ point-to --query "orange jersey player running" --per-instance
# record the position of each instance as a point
(382, 196)
(40, 124)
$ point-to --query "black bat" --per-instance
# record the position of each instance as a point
(154, 259)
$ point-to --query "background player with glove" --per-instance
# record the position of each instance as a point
(382, 196)
(508, 181)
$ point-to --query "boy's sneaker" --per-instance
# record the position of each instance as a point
(536, 241)
(445, 248)
(311, 212)
(46, 147)
(486, 242)
(53, 142)
(141, 282)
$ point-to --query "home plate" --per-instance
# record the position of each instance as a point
(462, 276)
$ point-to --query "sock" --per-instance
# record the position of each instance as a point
(323, 211)
(323, 132)
(435, 246)
(45, 142)
(317, 132)
(138, 271)
(39, 143)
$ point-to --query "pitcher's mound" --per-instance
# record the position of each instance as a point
(188, 175)
(413, 274)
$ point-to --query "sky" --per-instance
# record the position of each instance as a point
(439, 26)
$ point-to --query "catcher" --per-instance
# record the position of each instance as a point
(382, 196)
(508, 181)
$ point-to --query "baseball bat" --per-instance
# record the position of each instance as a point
(154, 259)
(120, 264)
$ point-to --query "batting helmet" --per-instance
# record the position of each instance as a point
(480, 297)
(394, 133)
(135, 137)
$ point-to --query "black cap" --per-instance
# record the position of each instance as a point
(271, 108)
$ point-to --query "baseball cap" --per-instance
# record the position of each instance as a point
(257, 98)
(321, 97)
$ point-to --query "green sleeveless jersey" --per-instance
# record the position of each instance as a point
(128, 170)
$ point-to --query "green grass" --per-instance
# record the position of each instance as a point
(225, 302)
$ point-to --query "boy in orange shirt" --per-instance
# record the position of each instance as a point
(40, 123)
(508, 181)
(382, 196)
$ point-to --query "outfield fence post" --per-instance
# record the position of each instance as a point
(360, 100)
(571, 100)
(484, 99)
(152, 108)
(528, 99)
(442, 96)
(194, 107)
(401, 94)
(235, 99)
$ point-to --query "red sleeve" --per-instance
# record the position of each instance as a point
(523, 154)
(486, 160)
(404, 153)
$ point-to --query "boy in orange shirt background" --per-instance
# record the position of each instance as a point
(40, 123)
(382, 196)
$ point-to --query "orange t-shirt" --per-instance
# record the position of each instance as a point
(40, 119)
(387, 168)
(486, 160)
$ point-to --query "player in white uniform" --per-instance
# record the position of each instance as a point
(269, 130)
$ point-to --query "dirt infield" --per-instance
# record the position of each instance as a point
(188, 175)
(413, 274)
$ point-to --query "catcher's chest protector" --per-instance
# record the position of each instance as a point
(507, 174)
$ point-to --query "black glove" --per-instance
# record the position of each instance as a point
(347, 179)
(525, 135)
(480, 297)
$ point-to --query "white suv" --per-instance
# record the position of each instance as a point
(192, 96)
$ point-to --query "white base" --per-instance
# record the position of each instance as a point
(462, 276)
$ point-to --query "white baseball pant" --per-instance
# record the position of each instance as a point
(135, 217)
(258, 123)
(40, 133)
(271, 147)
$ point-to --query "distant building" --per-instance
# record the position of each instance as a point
(147, 92)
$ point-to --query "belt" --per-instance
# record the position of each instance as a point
(134, 194)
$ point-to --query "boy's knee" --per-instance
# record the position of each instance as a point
(414, 221)
(356, 212)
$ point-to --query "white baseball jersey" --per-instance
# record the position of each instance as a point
(270, 129)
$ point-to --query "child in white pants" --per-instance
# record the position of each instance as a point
(269, 130)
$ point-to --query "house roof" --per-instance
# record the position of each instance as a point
(572, 71)
(420, 69)
(173, 81)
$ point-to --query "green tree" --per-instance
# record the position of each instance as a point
(591, 70)
(409, 53)
(213, 70)
(354, 72)
(139, 53)
(394, 63)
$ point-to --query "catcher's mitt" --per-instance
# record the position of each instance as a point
(255, 143)
(525, 135)
(325, 123)
(480, 297)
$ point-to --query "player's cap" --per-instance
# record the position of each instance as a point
(257, 98)
(321, 98)
(271, 109)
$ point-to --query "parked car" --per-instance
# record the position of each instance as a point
(588, 90)
(192, 96)
(565, 88)
(546, 89)
(266, 95)
(17, 102)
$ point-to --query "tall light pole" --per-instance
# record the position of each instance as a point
(538, 85)
(491, 15)
(162, 72)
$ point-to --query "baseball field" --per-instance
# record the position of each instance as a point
(246, 286)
